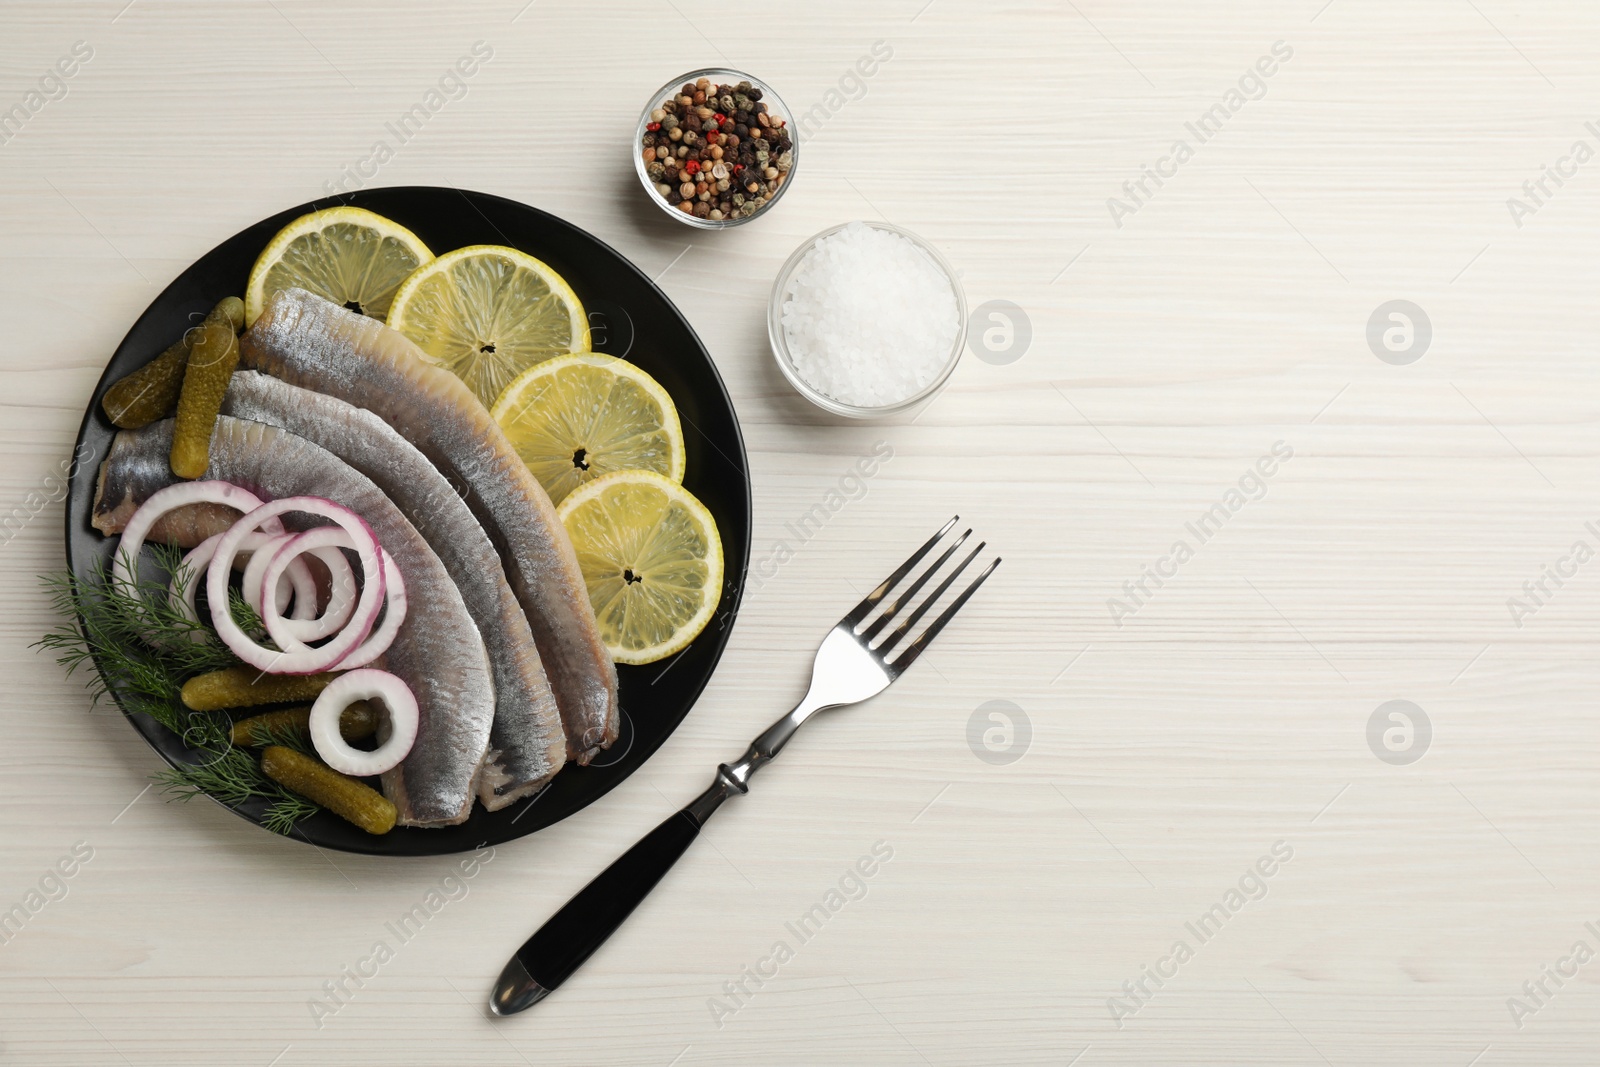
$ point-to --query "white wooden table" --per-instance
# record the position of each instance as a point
(1176, 339)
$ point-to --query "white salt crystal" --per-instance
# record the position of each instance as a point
(868, 318)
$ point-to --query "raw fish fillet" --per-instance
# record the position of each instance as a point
(310, 342)
(527, 746)
(437, 652)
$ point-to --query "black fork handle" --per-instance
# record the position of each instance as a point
(595, 912)
(572, 934)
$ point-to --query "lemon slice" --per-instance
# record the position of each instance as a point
(575, 418)
(346, 254)
(488, 313)
(652, 560)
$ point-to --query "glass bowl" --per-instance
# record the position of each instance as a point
(780, 341)
(717, 76)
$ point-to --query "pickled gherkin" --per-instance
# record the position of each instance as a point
(345, 797)
(233, 308)
(213, 357)
(151, 392)
(246, 687)
(355, 722)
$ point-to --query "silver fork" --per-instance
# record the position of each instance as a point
(856, 661)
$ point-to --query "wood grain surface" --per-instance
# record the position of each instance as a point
(1166, 746)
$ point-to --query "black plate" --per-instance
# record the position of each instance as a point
(629, 317)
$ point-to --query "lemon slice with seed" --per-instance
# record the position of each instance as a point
(488, 313)
(347, 254)
(651, 558)
(575, 418)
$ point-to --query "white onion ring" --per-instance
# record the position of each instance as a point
(296, 582)
(125, 566)
(393, 615)
(307, 660)
(125, 562)
(342, 589)
(329, 539)
(308, 626)
(259, 556)
(368, 684)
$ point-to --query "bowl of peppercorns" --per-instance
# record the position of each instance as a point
(715, 148)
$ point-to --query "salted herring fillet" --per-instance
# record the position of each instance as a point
(131, 480)
(437, 651)
(310, 342)
(527, 746)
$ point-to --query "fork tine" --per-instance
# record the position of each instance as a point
(909, 654)
(900, 601)
(922, 609)
(859, 612)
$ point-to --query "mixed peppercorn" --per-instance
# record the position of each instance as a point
(716, 152)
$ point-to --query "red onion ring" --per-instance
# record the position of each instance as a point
(393, 615)
(125, 563)
(368, 684)
(298, 581)
(329, 539)
(308, 626)
(257, 563)
(307, 660)
(125, 567)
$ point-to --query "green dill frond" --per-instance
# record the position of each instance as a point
(245, 617)
(234, 776)
(146, 646)
(142, 640)
(284, 815)
(231, 775)
(285, 737)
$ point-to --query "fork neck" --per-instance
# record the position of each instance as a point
(771, 740)
(734, 778)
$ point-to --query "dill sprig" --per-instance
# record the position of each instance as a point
(290, 807)
(282, 816)
(284, 737)
(146, 648)
(234, 776)
(142, 640)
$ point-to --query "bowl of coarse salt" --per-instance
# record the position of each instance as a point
(866, 320)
